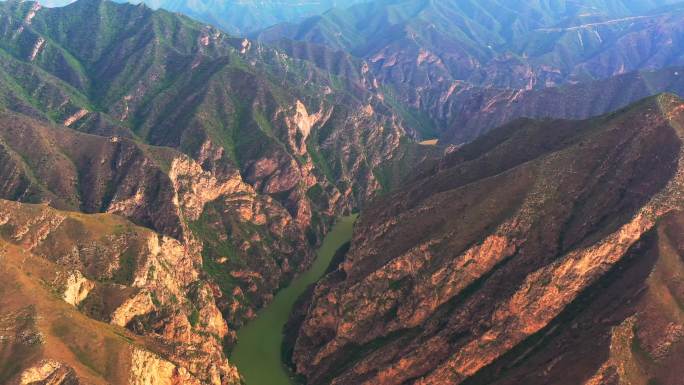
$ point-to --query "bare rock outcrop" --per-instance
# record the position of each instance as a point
(117, 273)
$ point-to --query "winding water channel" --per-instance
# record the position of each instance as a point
(257, 353)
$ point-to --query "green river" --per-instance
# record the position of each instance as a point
(257, 353)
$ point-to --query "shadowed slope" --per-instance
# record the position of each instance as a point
(482, 270)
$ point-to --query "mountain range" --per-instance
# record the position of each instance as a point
(544, 252)
(162, 178)
(238, 16)
(236, 152)
(452, 59)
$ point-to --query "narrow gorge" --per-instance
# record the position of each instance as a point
(258, 354)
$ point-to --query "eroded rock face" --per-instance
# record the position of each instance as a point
(131, 277)
(200, 213)
(48, 372)
(498, 265)
(149, 369)
(251, 247)
(76, 288)
(196, 187)
(222, 252)
(244, 237)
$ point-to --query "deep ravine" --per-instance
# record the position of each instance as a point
(258, 351)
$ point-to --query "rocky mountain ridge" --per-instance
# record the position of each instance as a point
(161, 189)
(59, 267)
(567, 270)
(453, 59)
(298, 145)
